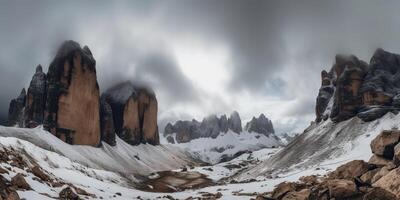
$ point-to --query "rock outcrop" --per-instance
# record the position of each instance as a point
(210, 126)
(234, 122)
(16, 110)
(260, 125)
(73, 100)
(356, 88)
(36, 99)
(134, 110)
(354, 180)
(107, 123)
(67, 102)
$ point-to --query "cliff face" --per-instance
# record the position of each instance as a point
(260, 125)
(36, 99)
(67, 102)
(355, 88)
(134, 111)
(73, 99)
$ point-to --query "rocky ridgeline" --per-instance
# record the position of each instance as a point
(67, 102)
(379, 178)
(354, 88)
(212, 127)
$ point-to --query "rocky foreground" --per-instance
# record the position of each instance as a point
(377, 179)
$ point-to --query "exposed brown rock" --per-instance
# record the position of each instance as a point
(350, 72)
(68, 194)
(20, 182)
(380, 161)
(341, 189)
(134, 112)
(382, 172)
(73, 100)
(379, 194)
(368, 176)
(396, 158)
(324, 95)
(40, 174)
(390, 182)
(351, 170)
(383, 145)
(300, 195)
(282, 189)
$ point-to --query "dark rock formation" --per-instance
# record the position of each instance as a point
(260, 125)
(107, 123)
(212, 126)
(234, 122)
(134, 110)
(73, 100)
(358, 89)
(36, 99)
(16, 110)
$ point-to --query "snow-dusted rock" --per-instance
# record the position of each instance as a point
(234, 122)
(260, 125)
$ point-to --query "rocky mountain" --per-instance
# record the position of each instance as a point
(211, 126)
(67, 102)
(134, 110)
(354, 88)
(260, 125)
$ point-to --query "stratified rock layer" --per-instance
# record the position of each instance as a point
(107, 123)
(73, 101)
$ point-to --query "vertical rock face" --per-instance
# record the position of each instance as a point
(366, 91)
(16, 110)
(134, 112)
(324, 96)
(260, 125)
(349, 76)
(234, 122)
(73, 100)
(36, 99)
(107, 123)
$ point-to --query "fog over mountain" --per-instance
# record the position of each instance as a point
(201, 57)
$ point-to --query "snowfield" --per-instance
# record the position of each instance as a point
(226, 145)
(100, 171)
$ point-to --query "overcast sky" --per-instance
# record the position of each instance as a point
(201, 57)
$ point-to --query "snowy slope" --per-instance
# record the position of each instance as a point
(326, 144)
(122, 158)
(226, 145)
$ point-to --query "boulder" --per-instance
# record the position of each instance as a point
(379, 194)
(383, 145)
(234, 122)
(40, 174)
(134, 110)
(36, 99)
(300, 195)
(380, 161)
(260, 125)
(282, 189)
(380, 173)
(16, 110)
(396, 157)
(107, 123)
(368, 176)
(341, 189)
(73, 100)
(350, 170)
(20, 182)
(68, 194)
(390, 182)
(170, 139)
